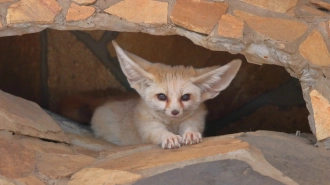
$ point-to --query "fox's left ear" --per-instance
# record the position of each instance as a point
(214, 81)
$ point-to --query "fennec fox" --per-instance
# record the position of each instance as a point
(170, 111)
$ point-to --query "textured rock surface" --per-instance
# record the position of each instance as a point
(284, 31)
(315, 49)
(19, 116)
(90, 143)
(46, 147)
(101, 176)
(313, 11)
(16, 159)
(29, 180)
(215, 172)
(295, 156)
(321, 108)
(77, 13)
(62, 165)
(231, 27)
(281, 6)
(184, 14)
(5, 182)
(149, 159)
(33, 11)
(140, 11)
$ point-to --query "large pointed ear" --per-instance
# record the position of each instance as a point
(133, 68)
(211, 82)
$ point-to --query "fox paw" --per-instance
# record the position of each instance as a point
(190, 138)
(171, 141)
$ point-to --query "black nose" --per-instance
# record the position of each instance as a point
(175, 112)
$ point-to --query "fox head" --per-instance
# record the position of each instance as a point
(174, 91)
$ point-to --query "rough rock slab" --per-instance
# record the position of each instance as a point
(101, 176)
(321, 109)
(209, 13)
(5, 182)
(231, 27)
(313, 11)
(215, 172)
(90, 143)
(29, 180)
(2, 1)
(78, 13)
(321, 3)
(297, 157)
(16, 159)
(284, 31)
(141, 11)
(33, 11)
(315, 49)
(281, 6)
(27, 118)
(149, 160)
(62, 165)
(46, 147)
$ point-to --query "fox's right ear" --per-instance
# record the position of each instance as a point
(136, 75)
(216, 80)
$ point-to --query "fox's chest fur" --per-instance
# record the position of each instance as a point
(170, 111)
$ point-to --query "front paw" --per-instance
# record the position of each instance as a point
(190, 138)
(171, 141)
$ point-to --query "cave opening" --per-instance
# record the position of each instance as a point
(52, 66)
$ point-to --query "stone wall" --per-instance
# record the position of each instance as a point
(292, 33)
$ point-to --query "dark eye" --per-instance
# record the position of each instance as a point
(185, 97)
(161, 97)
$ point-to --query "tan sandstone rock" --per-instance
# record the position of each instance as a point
(29, 180)
(321, 109)
(62, 165)
(281, 6)
(141, 11)
(321, 4)
(16, 159)
(150, 158)
(101, 176)
(313, 11)
(33, 11)
(46, 147)
(199, 16)
(77, 13)
(27, 118)
(274, 28)
(231, 27)
(90, 143)
(315, 49)
(4, 182)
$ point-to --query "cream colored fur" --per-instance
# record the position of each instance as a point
(170, 123)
